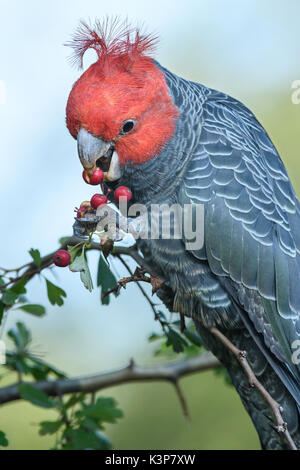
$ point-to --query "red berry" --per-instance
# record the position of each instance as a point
(96, 178)
(98, 200)
(62, 258)
(123, 191)
(85, 207)
(81, 212)
(86, 204)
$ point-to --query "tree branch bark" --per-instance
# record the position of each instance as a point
(170, 372)
(241, 356)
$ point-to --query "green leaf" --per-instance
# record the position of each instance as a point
(90, 424)
(164, 350)
(49, 427)
(15, 363)
(193, 337)
(79, 264)
(104, 410)
(35, 396)
(161, 315)
(36, 310)
(55, 294)
(1, 281)
(175, 340)
(154, 337)
(106, 280)
(47, 367)
(19, 287)
(20, 335)
(3, 439)
(80, 439)
(191, 350)
(9, 298)
(22, 366)
(74, 251)
(38, 372)
(28, 364)
(222, 372)
(63, 240)
(36, 256)
(73, 400)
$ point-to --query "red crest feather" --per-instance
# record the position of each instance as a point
(113, 40)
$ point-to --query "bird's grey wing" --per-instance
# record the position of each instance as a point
(252, 220)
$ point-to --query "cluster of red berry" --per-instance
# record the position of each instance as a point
(62, 258)
(99, 199)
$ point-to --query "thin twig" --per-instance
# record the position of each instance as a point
(138, 276)
(145, 295)
(152, 304)
(241, 356)
(182, 400)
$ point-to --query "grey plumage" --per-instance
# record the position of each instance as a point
(245, 280)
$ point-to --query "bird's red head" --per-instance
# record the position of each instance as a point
(122, 98)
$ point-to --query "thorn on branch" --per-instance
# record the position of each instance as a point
(131, 364)
(182, 399)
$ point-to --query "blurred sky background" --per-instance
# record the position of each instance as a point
(249, 49)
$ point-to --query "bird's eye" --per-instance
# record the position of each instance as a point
(128, 126)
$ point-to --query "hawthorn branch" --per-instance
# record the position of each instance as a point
(138, 276)
(241, 356)
(170, 372)
(142, 290)
(156, 283)
(31, 269)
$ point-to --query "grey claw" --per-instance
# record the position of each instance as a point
(80, 231)
(84, 226)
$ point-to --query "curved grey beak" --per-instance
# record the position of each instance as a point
(90, 148)
(94, 152)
